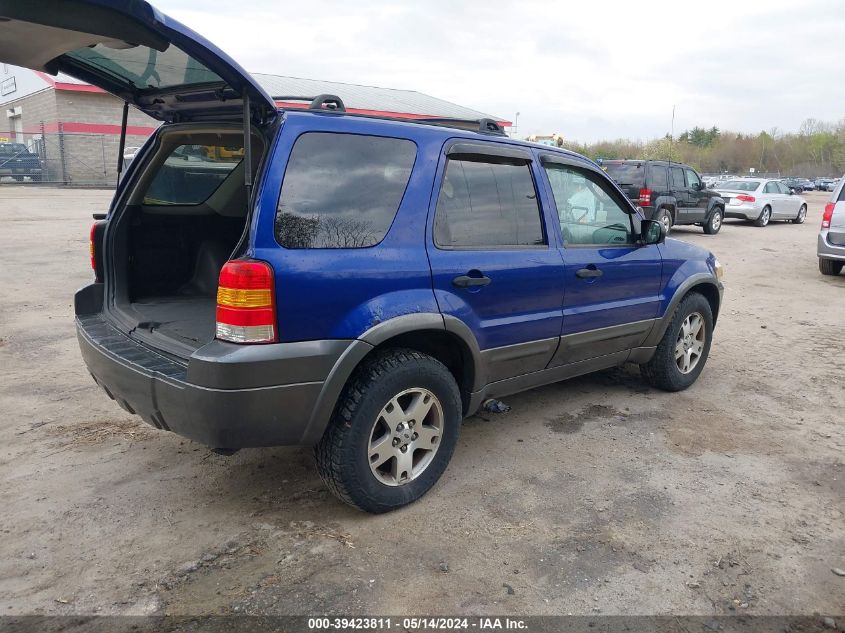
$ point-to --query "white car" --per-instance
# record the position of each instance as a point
(761, 200)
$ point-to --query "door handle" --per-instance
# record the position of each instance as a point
(465, 281)
(588, 273)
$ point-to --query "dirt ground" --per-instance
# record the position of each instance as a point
(594, 495)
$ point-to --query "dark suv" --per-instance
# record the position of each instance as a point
(671, 193)
(356, 284)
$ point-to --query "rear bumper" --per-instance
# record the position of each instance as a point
(225, 395)
(743, 211)
(828, 250)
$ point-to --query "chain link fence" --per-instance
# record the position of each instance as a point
(61, 158)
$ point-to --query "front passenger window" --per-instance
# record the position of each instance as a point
(587, 212)
(693, 180)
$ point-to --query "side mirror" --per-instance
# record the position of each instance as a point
(652, 232)
(792, 192)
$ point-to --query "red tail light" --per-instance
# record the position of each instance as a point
(645, 197)
(92, 247)
(246, 303)
(745, 197)
(828, 214)
(95, 239)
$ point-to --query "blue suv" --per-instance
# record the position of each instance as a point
(356, 284)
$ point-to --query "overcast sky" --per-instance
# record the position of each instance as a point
(589, 70)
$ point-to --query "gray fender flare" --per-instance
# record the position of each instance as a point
(659, 328)
(665, 201)
(369, 340)
(715, 201)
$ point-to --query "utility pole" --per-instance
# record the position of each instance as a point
(516, 125)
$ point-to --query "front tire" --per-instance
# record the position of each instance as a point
(802, 215)
(682, 352)
(765, 217)
(714, 223)
(830, 266)
(393, 431)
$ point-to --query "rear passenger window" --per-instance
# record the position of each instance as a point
(678, 178)
(657, 177)
(487, 204)
(342, 190)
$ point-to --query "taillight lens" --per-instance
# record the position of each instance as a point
(746, 198)
(645, 197)
(246, 304)
(828, 214)
(93, 247)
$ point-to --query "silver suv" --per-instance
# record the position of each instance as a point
(832, 234)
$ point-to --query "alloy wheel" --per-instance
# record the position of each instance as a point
(690, 343)
(405, 436)
(716, 222)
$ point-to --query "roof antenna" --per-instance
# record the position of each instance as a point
(672, 135)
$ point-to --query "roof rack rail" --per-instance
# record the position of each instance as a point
(484, 126)
(320, 102)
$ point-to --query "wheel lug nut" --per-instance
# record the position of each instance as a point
(404, 449)
(396, 441)
(414, 436)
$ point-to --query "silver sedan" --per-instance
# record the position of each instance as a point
(761, 200)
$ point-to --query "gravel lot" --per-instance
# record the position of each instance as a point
(595, 495)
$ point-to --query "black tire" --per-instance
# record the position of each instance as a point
(664, 216)
(714, 222)
(342, 453)
(662, 370)
(765, 217)
(830, 266)
(802, 215)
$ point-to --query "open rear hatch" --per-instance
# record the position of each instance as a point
(130, 49)
(185, 209)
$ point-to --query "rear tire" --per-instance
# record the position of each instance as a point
(714, 223)
(682, 352)
(664, 216)
(830, 266)
(376, 416)
(765, 217)
(802, 215)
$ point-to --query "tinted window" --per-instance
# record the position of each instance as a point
(487, 204)
(588, 213)
(12, 148)
(678, 178)
(144, 67)
(782, 188)
(657, 177)
(626, 173)
(771, 187)
(191, 173)
(342, 190)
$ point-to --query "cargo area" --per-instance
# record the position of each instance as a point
(185, 217)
